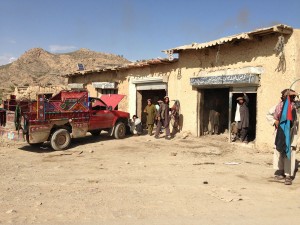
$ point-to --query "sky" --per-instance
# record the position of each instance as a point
(136, 29)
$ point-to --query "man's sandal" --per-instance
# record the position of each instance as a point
(279, 177)
(288, 181)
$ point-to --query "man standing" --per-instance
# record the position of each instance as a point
(175, 115)
(163, 118)
(284, 117)
(214, 117)
(150, 113)
(159, 102)
(242, 117)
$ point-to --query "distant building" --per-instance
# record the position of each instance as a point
(30, 92)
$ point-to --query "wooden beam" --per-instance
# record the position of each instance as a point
(283, 30)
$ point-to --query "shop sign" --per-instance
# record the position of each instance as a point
(75, 86)
(225, 80)
(104, 85)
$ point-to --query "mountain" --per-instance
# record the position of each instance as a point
(37, 67)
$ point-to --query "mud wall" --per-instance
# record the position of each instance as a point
(258, 52)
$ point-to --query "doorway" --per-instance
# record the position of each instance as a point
(142, 97)
(216, 100)
(252, 112)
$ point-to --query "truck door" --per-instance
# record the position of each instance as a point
(101, 117)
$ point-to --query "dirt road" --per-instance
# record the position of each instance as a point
(141, 180)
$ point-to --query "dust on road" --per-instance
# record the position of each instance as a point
(141, 180)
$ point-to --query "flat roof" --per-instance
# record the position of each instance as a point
(279, 28)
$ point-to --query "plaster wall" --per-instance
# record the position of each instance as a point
(110, 76)
(224, 59)
(256, 53)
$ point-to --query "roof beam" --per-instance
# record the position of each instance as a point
(282, 30)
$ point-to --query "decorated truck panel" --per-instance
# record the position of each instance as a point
(67, 114)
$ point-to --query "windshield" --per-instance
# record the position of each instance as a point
(97, 104)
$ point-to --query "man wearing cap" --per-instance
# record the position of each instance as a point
(159, 102)
(283, 160)
(242, 117)
(150, 111)
(163, 118)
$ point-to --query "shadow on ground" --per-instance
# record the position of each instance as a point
(46, 148)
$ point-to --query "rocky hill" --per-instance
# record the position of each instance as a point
(39, 67)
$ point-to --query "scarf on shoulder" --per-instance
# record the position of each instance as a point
(283, 113)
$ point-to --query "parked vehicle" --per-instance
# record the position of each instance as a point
(69, 114)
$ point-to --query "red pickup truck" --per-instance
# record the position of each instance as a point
(69, 114)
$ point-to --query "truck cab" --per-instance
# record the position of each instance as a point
(104, 117)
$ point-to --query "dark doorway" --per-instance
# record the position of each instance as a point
(252, 112)
(142, 97)
(217, 100)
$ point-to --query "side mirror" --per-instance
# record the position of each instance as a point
(109, 108)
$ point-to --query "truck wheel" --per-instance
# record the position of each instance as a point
(120, 130)
(95, 132)
(60, 139)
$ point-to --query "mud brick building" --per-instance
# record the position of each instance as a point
(260, 63)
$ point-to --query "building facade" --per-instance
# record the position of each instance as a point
(260, 63)
(137, 81)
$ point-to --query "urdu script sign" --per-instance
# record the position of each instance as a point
(225, 79)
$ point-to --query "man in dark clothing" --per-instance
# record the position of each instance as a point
(163, 118)
(243, 122)
(214, 117)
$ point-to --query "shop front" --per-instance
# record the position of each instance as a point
(218, 93)
(141, 89)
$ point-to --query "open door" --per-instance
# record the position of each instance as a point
(252, 112)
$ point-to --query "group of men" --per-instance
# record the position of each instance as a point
(159, 114)
(282, 116)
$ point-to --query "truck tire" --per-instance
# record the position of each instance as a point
(95, 132)
(60, 139)
(120, 130)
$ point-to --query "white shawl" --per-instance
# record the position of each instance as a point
(237, 113)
